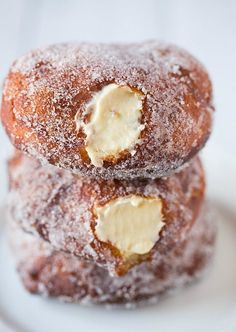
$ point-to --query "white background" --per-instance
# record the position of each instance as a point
(206, 28)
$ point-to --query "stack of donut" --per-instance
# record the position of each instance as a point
(106, 199)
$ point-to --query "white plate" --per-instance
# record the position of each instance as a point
(207, 306)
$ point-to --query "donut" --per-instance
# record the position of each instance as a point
(48, 272)
(115, 223)
(109, 110)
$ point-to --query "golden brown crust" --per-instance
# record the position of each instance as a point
(52, 273)
(45, 89)
(58, 206)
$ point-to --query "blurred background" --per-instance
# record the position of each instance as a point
(207, 28)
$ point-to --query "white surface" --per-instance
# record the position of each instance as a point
(207, 28)
(207, 306)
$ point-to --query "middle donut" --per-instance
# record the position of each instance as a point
(115, 223)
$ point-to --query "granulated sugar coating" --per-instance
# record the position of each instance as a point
(58, 206)
(47, 88)
(48, 272)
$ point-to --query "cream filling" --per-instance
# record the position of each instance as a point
(132, 224)
(114, 124)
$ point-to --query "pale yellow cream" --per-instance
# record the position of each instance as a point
(132, 224)
(114, 125)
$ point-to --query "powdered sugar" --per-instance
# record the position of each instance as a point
(50, 273)
(59, 80)
(58, 205)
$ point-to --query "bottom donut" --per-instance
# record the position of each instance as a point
(48, 272)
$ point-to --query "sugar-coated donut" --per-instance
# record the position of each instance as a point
(113, 111)
(43, 270)
(116, 223)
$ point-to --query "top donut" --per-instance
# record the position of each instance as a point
(109, 110)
